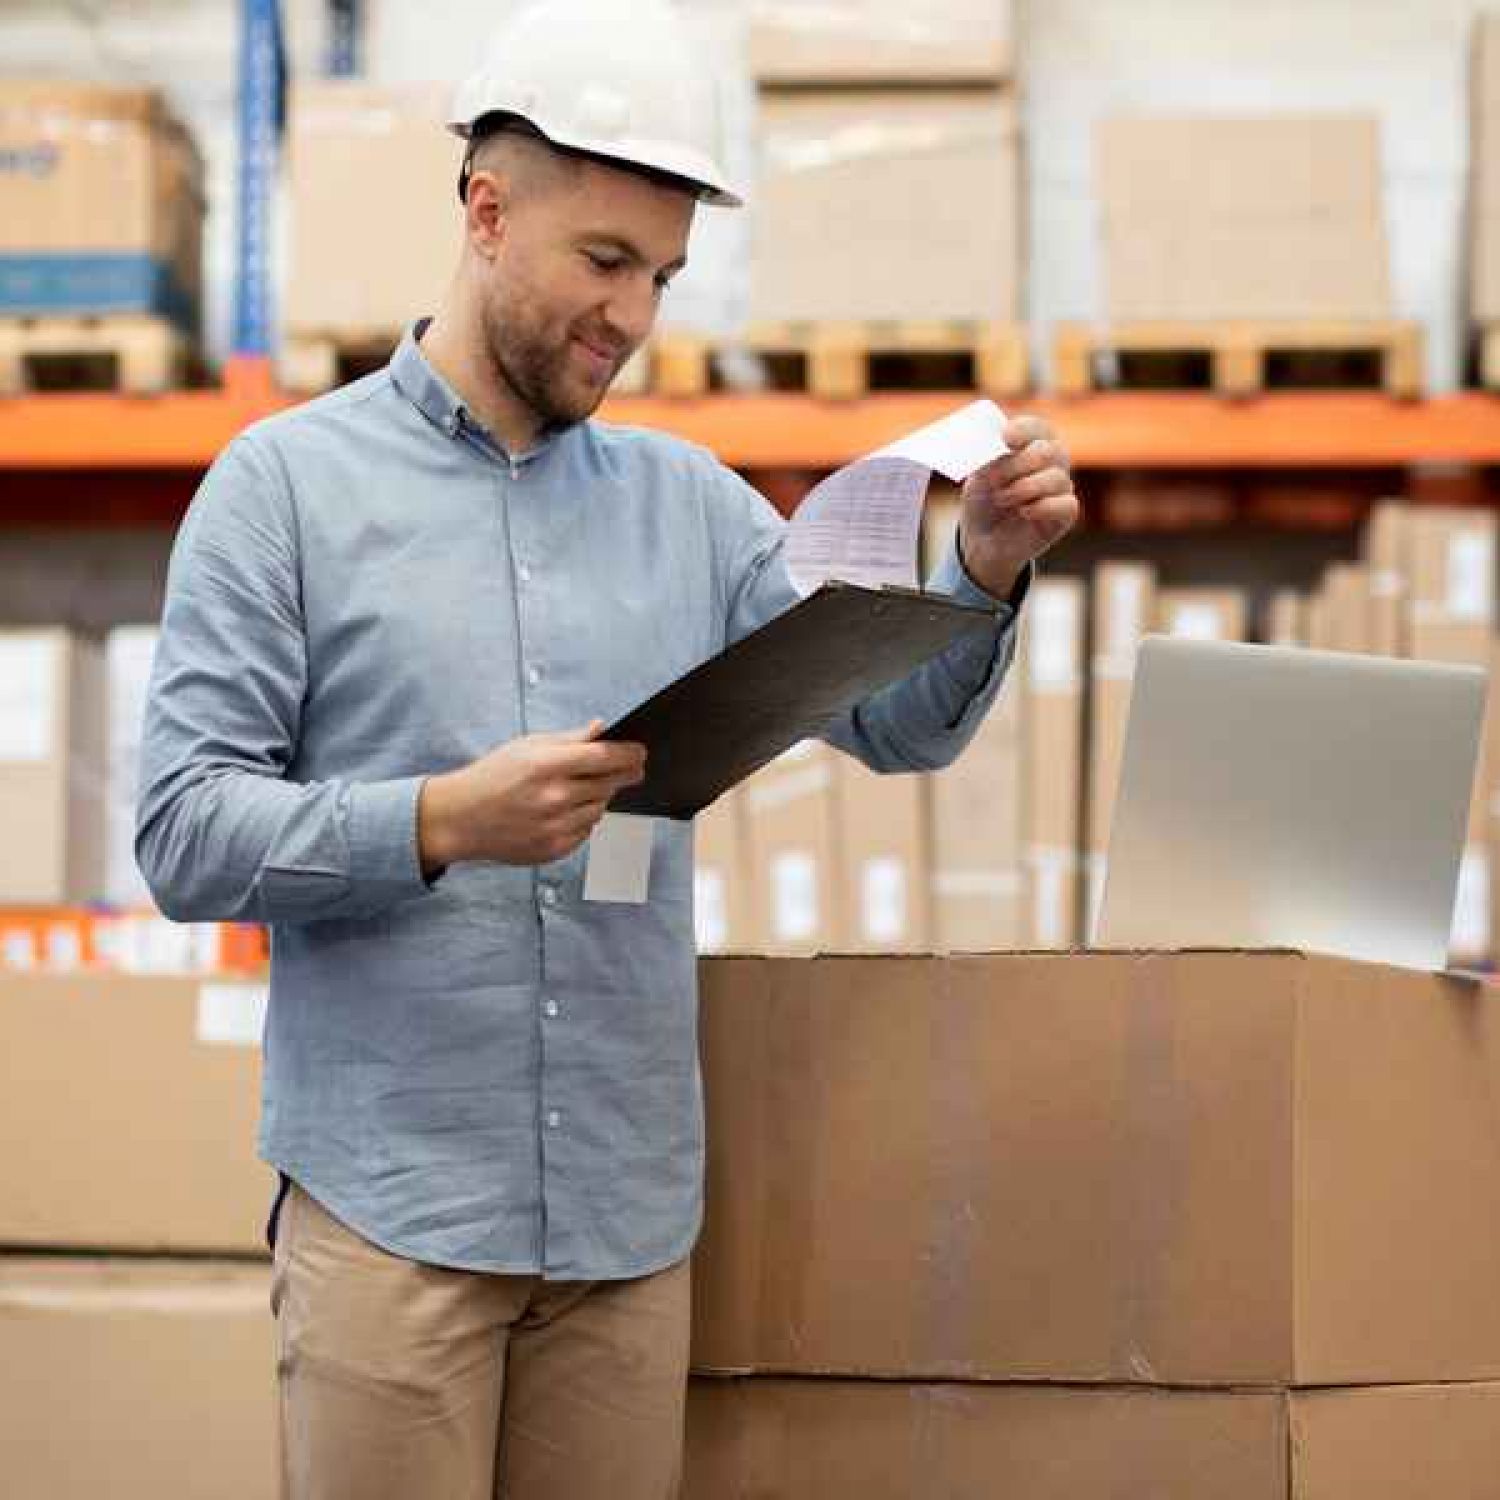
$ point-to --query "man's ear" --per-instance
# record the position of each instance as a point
(486, 209)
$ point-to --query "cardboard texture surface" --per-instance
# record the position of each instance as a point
(342, 135)
(136, 1380)
(884, 847)
(858, 187)
(1205, 1168)
(811, 1440)
(99, 171)
(880, 41)
(1277, 217)
(721, 895)
(52, 768)
(146, 1093)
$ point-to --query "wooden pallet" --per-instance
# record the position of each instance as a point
(1489, 356)
(131, 352)
(842, 361)
(316, 361)
(1240, 358)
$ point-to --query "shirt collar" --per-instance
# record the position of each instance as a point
(417, 380)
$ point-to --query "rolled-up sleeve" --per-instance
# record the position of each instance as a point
(919, 723)
(221, 833)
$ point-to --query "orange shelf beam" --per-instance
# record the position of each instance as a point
(184, 430)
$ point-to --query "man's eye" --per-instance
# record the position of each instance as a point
(605, 263)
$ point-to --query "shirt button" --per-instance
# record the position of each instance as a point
(525, 573)
(554, 1119)
(533, 675)
(549, 1009)
(549, 895)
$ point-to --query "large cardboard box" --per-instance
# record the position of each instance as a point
(1286, 619)
(1385, 556)
(101, 202)
(1195, 1168)
(1202, 614)
(1272, 218)
(885, 857)
(342, 136)
(130, 1106)
(827, 1439)
(721, 878)
(1052, 635)
(1124, 606)
(136, 1380)
(858, 188)
(1484, 172)
(1452, 617)
(881, 41)
(1341, 617)
(52, 768)
(791, 840)
(128, 654)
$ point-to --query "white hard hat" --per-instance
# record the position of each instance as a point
(609, 78)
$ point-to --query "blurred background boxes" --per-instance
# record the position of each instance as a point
(101, 204)
(880, 41)
(137, 1379)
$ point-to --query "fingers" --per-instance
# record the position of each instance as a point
(1033, 458)
(599, 758)
(1034, 487)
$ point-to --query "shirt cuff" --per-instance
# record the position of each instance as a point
(953, 578)
(384, 855)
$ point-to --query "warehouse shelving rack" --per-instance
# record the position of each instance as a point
(89, 458)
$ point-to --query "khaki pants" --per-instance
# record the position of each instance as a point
(406, 1380)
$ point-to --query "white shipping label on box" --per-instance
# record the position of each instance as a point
(882, 907)
(28, 697)
(1126, 613)
(619, 859)
(1470, 937)
(232, 1015)
(1051, 872)
(1471, 576)
(1197, 622)
(710, 909)
(794, 896)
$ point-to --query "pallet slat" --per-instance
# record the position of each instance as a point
(1238, 353)
(134, 353)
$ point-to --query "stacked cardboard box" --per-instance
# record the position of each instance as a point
(343, 135)
(894, 132)
(131, 1104)
(1484, 181)
(1172, 1187)
(101, 203)
(1273, 218)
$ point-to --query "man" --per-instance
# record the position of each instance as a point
(396, 618)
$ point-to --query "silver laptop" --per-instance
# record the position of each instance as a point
(1273, 797)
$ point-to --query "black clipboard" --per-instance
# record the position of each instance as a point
(788, 681)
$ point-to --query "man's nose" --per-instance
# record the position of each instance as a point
(631, 312)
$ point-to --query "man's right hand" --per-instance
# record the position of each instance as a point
(531, 801)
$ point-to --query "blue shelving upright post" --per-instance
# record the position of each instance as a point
(262, 102)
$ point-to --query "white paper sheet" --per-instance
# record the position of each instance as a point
(862, 523)
(619, 859)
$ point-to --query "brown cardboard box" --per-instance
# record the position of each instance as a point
(1385, 555)
(1484, 172)
(821, 1439)
(100, 174)
(1286, 619)
(881, 41)
(1172, 1168)
(979, 888)
(1052, 633)
(1347, 594)
(721, 879)
(131, 1104)
(1124, 607)
(52, 768)
(136, 1380)
(1201, 614)
(1277, 217)
(911, 178)
(791, 840)
(343, 135)
(885, 857)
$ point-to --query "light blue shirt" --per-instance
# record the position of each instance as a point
(483, 1071)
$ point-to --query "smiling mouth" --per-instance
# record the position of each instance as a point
(604, 358)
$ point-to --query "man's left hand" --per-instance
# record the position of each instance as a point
(1016, 506)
